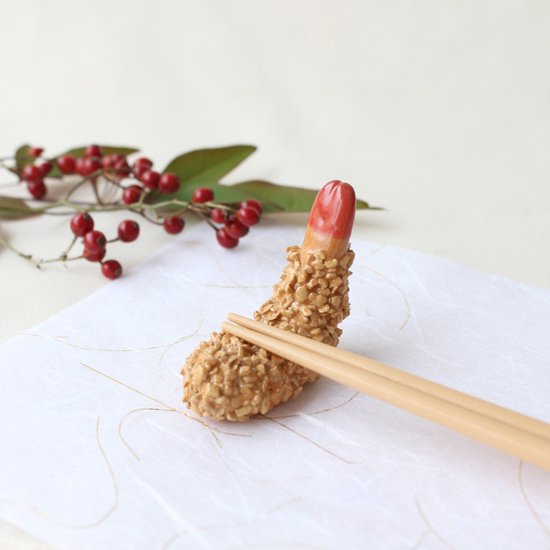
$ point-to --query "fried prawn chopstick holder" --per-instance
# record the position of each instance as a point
(227, 378)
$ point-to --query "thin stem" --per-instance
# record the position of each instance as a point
(9, 168)
(9, 246)
(68, 249)
(77, 206)
(91, 178)
(182, 211)
(93, 207)
(96, 194)
(37, 263)
(203, 216)
(56, 201)
(108, 195)
(58, 213)
(110, 179)
(53, 260)
(144, 216)
(75, 187)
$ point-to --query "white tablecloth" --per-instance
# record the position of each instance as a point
(101, 453)
(436, 110)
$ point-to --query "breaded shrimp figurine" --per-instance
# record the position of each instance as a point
(226, 378)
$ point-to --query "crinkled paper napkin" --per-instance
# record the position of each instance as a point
(98, 451)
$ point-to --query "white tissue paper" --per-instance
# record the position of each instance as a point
(98, 451)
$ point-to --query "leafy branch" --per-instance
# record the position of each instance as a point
(189, 184)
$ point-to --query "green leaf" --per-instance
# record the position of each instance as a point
(282, 198)
(207, 166)
(364, 205)
(22, 158)
(14, 209)
(79, 152)
(274, 197)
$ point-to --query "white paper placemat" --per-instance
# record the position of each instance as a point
(97, 450)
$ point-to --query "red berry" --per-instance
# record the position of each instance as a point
(236, 229)
(150, 179)
(173, 225)
(93, 151)
(248, 216)
(252, 203)
(67, 164)
(121, 167)
(79, 166)
(225, 239)
(110, 161)
(37, 189)
(203, 194)
(95, 241)
(217, 215)
(35, 151)
(141, 165)
(94, 256)
(45, 168)
(169, 183)
(132, 194)
(91, 165)
(81, 224)
(128, 231)
(111, 269)
(32, 173)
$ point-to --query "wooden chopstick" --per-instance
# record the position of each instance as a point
(443, 392)
(493, 429)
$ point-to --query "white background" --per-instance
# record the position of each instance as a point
(437, 110)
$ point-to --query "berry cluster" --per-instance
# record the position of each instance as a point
(235, 226)
(95, 242)
(135, 184)
(115, 167)
(34, 174)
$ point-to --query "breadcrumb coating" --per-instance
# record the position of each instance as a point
(226, 378)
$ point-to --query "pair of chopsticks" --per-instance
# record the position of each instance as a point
(504, 429)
